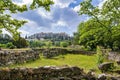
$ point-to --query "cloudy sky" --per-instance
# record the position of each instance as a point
(63, 17)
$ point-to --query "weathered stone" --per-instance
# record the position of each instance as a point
(102, 77)
(106, 66)
(17, 56)
(52, 52)
(116, 71)
(44, 73)
(118, 62)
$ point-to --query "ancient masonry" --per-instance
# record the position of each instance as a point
(52, 52)
(45, 73)
(115, 56)
(8, 57)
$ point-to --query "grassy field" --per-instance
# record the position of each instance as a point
(82, 61)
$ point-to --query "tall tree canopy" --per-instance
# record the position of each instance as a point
(12, 25)
(103, 26)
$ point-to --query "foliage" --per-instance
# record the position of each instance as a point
(2, 46)
(10, 45)
(100, 56)
(76, 38)
(57, 43)
(20, 43)
(36, 43)
(103, 26)
(4, 38)
(12, 25)
(64, 44)
(49, 44)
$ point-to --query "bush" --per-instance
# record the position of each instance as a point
(57, 43)
(10, 45)
(49, 44)
(64, 44)
(2, 46)
(20, 43)
(100, 56)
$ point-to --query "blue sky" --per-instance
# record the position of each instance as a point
(63, 17)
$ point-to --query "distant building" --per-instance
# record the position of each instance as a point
(50, 36)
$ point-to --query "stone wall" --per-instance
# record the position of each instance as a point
(45, 73)
(52, 52)
(114, 56)
(8, 57)
(111, 55)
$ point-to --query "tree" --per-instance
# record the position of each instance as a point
(92, 34)
(12, 25)
(103, 26)
(20, 43)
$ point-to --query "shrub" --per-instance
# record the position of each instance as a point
(100, 56)
(49, 44)
(10, 45)
(20, 43)
(64, 44)
(2, 46)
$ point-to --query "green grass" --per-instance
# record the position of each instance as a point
(82, 61)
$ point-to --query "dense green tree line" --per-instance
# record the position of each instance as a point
(103, 27)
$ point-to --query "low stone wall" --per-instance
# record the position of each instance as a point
(8, 57)
(45, 73)
(111, 55)
(51, 52)
(114, 56)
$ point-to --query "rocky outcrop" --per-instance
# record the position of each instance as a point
(8, 57)
(45, 73)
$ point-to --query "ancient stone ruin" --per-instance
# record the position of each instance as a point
(52, 52)
(8, 57)
(51, 73)
(115, 56)
(45, 73)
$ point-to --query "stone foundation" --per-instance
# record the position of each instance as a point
(17, 56)
(52, 52)
(114, 56)
(45, 73)
(111, 55)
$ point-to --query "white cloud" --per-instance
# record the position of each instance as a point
(76, 8)
(62, 3)
(23, 32)
(60, 23)
(22, 2)
(101, 3)
(31, 25)
(44, 13)
(61, 18)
